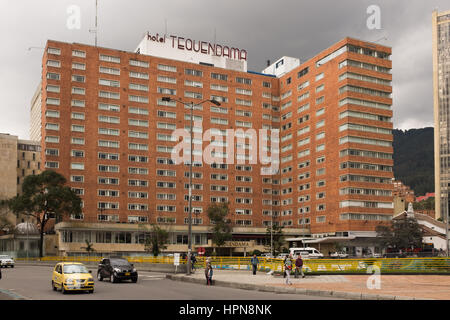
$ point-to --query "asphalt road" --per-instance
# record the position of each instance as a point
(34, 282)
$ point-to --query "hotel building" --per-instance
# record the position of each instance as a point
(441, 103)
(106, 128)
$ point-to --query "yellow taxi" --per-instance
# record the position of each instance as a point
(72, 276)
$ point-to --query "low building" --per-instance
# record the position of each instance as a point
(23, 242)
(433, 230)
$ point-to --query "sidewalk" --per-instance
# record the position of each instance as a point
(393, 287)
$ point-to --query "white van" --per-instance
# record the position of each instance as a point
(306, 253)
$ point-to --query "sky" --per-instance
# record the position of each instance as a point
(266, 29)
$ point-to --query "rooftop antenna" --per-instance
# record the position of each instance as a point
(384, 38)
(165, 25)
(95, 30)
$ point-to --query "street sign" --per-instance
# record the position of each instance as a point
(201, 250)
(176, 259)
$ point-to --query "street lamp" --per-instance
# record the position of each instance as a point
(191, 106)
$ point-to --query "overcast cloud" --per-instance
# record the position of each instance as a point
(267, 29)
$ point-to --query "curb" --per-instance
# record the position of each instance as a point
(303, 291)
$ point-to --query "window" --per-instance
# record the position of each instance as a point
(109, 107)
(137, 122)
(78, 66)
(219, 76)
(104, 57)
(108, 119)
(53, 76)
(77, 128)
(52, 126)
(53, 88)
(302, 72)
(78, 53)
(109, 83)
(52, 139)
(76, 90)
(107, 70)
(77, 115)
(77, 166)
(167, 68)
(78, 78)
(243, 80)
(138, 75)
(54, 63)
(109, 95)
(108, 131)
(193, 72)
(138, 63)
(55, 51)
(77, 153)
(52, 101)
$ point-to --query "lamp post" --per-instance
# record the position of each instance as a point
(191, 106)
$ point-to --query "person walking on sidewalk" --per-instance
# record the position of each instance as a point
(288, 268)
(254, 261)
(299, 266)
(208, 274)
(193, 262)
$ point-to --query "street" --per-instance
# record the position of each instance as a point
(34, 282)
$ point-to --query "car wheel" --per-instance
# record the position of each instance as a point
(12, 266)
(91, 291)
(134, 280)
(53, 286)
(63, 291)
(113, 278)
(99, 276)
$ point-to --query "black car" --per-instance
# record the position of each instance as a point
(116, 269)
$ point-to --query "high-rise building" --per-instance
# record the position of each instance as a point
(18, 159)
(441, 99)
(106, 127)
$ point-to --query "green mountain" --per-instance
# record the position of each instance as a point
(414, 159)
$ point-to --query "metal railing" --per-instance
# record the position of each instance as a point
(337, 266)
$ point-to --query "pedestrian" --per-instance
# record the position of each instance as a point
(0, 272)
(288, 268)
(208, 274)
(254, 261)
(299, 266)
(193, 262)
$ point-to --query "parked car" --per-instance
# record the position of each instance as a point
(6, 261)
(281, 256)
(72, 276)
(306, 253)
(116, 269)
(339, 254)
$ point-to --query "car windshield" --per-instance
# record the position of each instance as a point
(5, 257)
(119, 262)
(75, 268)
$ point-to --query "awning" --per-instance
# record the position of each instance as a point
(322, 240)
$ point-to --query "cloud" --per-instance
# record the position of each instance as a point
(266, 29)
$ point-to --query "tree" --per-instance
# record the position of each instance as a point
(44, 195)
(157, 240)
(221, 229)
(276, 234)
(401, 234)
(5, 225)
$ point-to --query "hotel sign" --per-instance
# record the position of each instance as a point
(203, 47)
